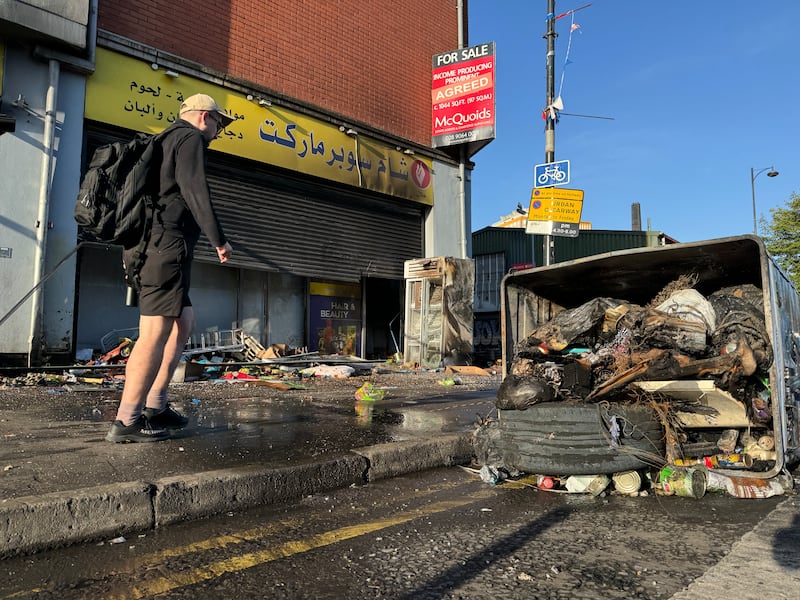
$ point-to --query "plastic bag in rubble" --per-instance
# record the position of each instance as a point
(746, 487)
(335, 371)
(492, 475)
(485, 443)
(518, 393)
(690, 305)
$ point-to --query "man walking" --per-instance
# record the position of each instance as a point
(166, 318)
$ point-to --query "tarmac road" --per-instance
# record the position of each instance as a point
(440, 533)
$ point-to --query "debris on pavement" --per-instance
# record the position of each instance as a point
(369, 393)
(698, 365)
(467, 370)
(335, 371)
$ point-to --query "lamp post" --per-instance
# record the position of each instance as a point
(753, 174)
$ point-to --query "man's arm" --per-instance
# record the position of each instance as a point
(190, 174)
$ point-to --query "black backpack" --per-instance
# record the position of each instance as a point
(117, 193)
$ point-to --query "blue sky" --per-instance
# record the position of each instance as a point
(700, 92)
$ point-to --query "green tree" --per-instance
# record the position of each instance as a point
(781, 235)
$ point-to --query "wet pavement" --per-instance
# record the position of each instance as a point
(52, 438)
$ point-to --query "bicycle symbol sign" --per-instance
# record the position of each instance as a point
(554, 173)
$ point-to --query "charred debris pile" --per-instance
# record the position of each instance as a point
(700, 364)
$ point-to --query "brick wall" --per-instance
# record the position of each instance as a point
(368, 60)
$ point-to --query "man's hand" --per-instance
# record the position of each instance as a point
(224, 252)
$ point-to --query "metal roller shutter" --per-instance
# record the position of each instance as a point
(278, 222)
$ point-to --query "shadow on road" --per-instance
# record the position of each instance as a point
(787, 541)
(502, 548)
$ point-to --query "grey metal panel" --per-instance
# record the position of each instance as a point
(58, 22)
(280, 223)
(782, 310)
(489, 272)
(521, 247)
(597, 241)
(512, 241)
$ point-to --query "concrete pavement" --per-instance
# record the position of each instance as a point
(246, 445)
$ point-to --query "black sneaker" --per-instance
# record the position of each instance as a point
(166, 418)
(140, 431)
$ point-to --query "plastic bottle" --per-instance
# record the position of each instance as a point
(544, 482)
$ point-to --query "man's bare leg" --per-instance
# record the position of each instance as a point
(181, 330)
(143, 365)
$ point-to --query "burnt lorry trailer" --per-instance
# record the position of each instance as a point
(677, 356)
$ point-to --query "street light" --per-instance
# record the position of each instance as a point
(753, 174)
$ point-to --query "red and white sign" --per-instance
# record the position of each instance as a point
(462, 96)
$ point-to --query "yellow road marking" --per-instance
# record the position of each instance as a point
(282, 551)
(256, 533)
(287, 549)
(214, 543)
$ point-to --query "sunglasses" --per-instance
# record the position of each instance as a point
(217, 120)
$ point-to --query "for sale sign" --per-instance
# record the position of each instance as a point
(463, 96)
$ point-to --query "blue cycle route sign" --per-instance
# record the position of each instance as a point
(554, 173)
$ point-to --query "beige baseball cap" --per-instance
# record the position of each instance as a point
(207, 103)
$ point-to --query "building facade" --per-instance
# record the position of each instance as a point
(325, 183)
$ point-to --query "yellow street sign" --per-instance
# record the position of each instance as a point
(556, 204)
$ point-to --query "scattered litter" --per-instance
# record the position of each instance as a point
(238, 376)
(369, 393)
(687, 482)
(279, 351)
(627, 482)
(467, 370)
(118, 540)
(544, 482)
(747, 487)
(278, 385)
(492, 475)
(593, 484)
(335, 371)
(8, 467)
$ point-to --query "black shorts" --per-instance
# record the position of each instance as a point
(166, 276)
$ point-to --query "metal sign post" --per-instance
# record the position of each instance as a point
(550, 124)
